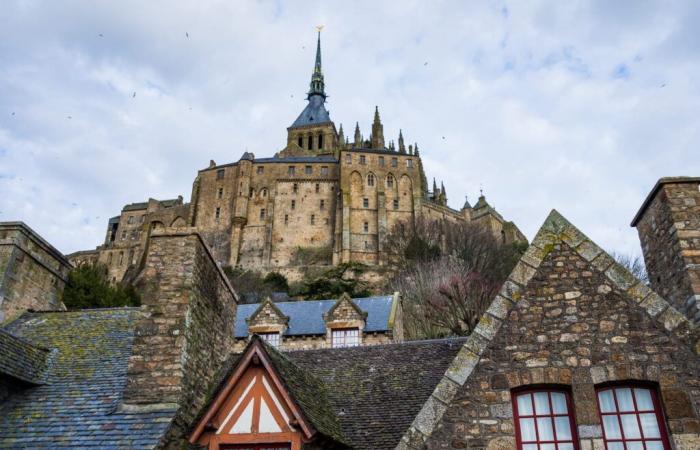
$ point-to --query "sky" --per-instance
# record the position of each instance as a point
(578, 106)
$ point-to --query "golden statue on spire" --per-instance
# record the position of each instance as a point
(319, 28)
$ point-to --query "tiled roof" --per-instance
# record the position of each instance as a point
(76, 408)
(306, 317)
(22, 360)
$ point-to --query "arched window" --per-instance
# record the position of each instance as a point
(389, 181)
(320, 141)
(544, 419)
(263, 192)
(300, 141)
(632, 418)
(370, 180)
(310, 143)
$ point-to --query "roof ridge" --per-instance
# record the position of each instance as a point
(382, 344)
(68, 311)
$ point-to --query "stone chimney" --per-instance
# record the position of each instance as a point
(185, 332)
(668, 224)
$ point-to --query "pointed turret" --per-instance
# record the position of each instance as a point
(435, 189)
(317, 85)
(377, 130)
(402, 147)
(467, 205)
(415, 149)
(358, 136)
(341, 135)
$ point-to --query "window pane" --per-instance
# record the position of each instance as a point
(527, 430)
(530, 447)
(654, 445)
(612, 427)
(566, 446)
(547, 447)
(650, 427)
(563, 428)
(635, 445)
(559, 403)
(525, 405)
(541, 402)
(544, 426)
(630, 426)
(643, 397)
(624, 399)
(607, 402)
(616, 446)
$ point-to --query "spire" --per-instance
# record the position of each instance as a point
(434, 188)
(341, 135)
(358, 136)
(467, 205)
(317, 86)
(377, 130)
(415, 149)
(402, 147)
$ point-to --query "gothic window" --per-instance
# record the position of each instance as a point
(363, 160)
(324, 171)
(365, 202)
(348, 158)
(365, 227)
(318, 187)
(308, 170)
(632, 418)
(323, 205)
(220, 193)
(381, 161)
(544, 420)
(346, 337)
(251, 192)
(220, 174)
(262, 213)
(389, 181)
(217, 213)
(263, 192)
(320, 141)
(291, 170)
(313, 219)
(295, 188)
(409, 163)
(396, 203)
(310, 143)
(394, 162)
(294, 204)
(370, 180)
(274, 340)
(300, 141)
(260, 170)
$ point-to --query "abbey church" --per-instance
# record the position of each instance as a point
(324, 194)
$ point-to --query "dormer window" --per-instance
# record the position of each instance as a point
(345, 337)
(271, 338)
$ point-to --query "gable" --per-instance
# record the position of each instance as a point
(567, 315)
(345, 311)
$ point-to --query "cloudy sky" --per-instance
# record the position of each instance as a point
(578, 106)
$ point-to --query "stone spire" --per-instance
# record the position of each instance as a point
(341, 135)
(415, 149)
(358, 136)
(467, 205)
(377, 130)
(317, 85)
(402, 147)
(435, 189)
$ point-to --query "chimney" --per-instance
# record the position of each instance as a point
(668, 224)
(185, 331)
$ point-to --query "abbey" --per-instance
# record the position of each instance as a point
(324, 196)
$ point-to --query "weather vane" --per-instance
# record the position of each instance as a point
(319, 28)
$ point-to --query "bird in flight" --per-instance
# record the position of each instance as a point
(187, 34)
(101, 35)
(133, 95)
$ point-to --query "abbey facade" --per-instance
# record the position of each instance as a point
(323, 199)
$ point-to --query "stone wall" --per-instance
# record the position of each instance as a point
(669, 230)
(189, 311)
(32, 272)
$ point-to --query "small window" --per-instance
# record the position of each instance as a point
(363, 160)
(365, 202)
(262, 213)
(260, 170)
(348, 337)
(220, 193)
(141, 219)
(396, 203)
(370, 180)
(381, 161)
(295, 188)
(294, 204)
(308, 170)
(324, 171)
(365, 227)
(220, 174)
(300, 142)
(272, 339)
(217, 213)
(123, 235)
(389, 181)
(310, 143)
(291, 170)
(251, 192)
(130, 220)
(394, 162)
(263, 192)
(543, 420)
(348, 158)
(320, 141)
(121, 258)
(286, 219)
(323, 204)
(366, 245)
(313, 219)
(409, 163)
(326, 221)
(632, 418)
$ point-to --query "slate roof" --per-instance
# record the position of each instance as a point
(76, 408)
(315, 113)
(375, 392)
(22, 360)
(306, 317)
(297, 159)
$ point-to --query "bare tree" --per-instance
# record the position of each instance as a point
(634, 264)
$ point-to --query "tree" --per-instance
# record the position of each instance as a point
(634, 264)
(88, 287)
(335, 281)
(252, 286)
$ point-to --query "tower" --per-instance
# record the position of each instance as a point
(377, 130)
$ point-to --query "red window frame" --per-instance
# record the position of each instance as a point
(658, 412)
(534, 415)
